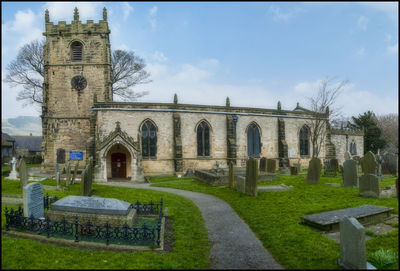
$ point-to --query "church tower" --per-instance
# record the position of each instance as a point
(77, 64)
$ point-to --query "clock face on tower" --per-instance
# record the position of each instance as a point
(78, 82)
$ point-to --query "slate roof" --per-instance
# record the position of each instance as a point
(32, 143)
(7, 137)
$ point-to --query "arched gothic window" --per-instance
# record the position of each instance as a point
(149, 139)
(253, 141)
(353, 148)
(203, 139)
(304, 142)
(76, 51)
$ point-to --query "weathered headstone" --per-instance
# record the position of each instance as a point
(58, 179)
(57, 169)
(23, 173)
(331, 167)
(68, 175)
(86, 179)
(251, 177)
(240, 184)
(13, 174)
(294, 171)
(231, 175)
(368, 163)
(347, 155)
(352, 244)
(271, 165)
(314, 170)
(350, 178)
(379, 160)
(33, 200)
(298, 167)
(369, 186)
(263, 164)
(75, 172)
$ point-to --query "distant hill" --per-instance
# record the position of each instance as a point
(22, 125)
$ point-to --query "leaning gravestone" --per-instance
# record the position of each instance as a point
(251, 177)
(352, 244)
(23, 173)
(368, 163)
(314, 170)
(33, 200)
(350, 178)
(271, 165)
(263, 164)
(369, 186)
(231, 175)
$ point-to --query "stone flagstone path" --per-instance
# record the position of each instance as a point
(233, 244)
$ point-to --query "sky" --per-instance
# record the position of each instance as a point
(257, 53)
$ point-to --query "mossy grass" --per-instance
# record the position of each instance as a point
(190, 246)
(275, 218)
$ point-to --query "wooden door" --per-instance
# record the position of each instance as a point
(118, 165)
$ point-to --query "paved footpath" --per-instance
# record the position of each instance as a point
(233, 244)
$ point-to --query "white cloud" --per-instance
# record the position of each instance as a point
(391, 9)
(65, 10)
(362, 23)
(153, 14)
(127, 9)
(279, 16)
(159, 56)
(393, 49)
(361, 51)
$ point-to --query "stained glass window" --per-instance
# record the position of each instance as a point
(149, 139)
(304, 148)
(203, 139)
(253, 141)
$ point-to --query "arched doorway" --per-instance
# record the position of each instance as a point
(119, 162)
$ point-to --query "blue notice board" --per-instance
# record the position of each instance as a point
(75, 155)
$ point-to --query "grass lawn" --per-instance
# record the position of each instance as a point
(190, 249)
(275, 218)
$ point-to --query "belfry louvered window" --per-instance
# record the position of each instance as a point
(203, 139)
(253, 141)
(304, 148)
(76, 50)
(149, 140)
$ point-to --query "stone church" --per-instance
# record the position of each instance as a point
(128, 140)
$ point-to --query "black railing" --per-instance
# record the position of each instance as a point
(47, 201)
(125, 234)
(149, 208)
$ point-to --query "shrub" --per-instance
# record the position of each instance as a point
(382, 259)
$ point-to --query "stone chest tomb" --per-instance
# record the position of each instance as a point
(96, 209)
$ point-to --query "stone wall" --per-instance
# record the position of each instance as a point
(339, 140)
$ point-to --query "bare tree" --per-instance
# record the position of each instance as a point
(389, 125)
(27, 70)
(321, 107)
(127, 70)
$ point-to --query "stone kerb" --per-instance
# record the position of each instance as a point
(350, 178)
(23, 173)
(369, 186)
(314, 170)
(33, 200)
(369, 163)
(352, 244)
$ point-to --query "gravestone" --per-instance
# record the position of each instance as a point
(368, 163)
(350, 178)
(68, 175)
(294, 171)
(389, 165)
(86, 179)
(13, 174)
(298, 167)
(314, 170)
(33, 200)
(251, 177)
(263, 164)
(75, 172)
(57, 169)
(231, 175)
(369, 186)
(240, 184)
(23, 173)
(379, 160)
(331, 167)
(271, 165)
(352, 244)
(347, 155)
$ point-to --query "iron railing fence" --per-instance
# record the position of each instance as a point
(125, 234)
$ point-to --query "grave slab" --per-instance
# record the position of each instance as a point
(330, 220)
(93, 205)
(274, 188)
